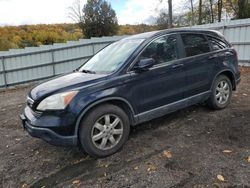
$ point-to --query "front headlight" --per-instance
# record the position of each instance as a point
(57, 102)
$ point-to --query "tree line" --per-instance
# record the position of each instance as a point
(197, 12)
(13, 37)
(36, 35)
(97, 18)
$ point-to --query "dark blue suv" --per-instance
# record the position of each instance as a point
(131, 81)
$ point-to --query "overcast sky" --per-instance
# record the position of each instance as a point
(19, 12)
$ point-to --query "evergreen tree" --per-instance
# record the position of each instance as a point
(99, 19)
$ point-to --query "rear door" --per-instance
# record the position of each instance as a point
(198, 61)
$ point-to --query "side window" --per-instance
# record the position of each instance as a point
(217, 44)
(195, 44)
(162, 50)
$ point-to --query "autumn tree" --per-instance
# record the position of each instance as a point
(244, 9)
(135, 29)
(99, 19)
(240, 8)
(35, 35)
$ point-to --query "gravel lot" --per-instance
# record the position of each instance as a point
(194, 147)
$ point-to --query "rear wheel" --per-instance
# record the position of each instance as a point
(104, 130)
(221, 93)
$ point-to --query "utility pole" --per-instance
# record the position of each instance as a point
(170, 13)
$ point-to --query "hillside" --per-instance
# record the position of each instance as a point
(35, 35)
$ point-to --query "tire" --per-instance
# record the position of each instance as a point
(105, 123)
(221, 94)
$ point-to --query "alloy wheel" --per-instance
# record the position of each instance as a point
(107, 132)
(222, 92)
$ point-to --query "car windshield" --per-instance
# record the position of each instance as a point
(112, 57)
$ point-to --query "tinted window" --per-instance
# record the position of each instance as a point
(162, 50)
(217, 44)
(195, 44)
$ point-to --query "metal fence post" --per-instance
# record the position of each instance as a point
(4, 72)
(223, 28)
(93, 48)
(53, 62)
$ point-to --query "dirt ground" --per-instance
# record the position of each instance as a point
(194, 147)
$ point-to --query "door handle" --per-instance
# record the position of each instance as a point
(176, 66)
(212, 57)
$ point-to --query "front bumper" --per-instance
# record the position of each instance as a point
(47, 134)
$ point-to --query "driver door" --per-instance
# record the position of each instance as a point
(162, 84)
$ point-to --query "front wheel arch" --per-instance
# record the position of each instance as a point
(117, 101)
(85, 136)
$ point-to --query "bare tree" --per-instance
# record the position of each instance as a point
(211, 10)
(192, 11)
(75, 13)
(189, 11)
(220, 5)
(170, 13)
(200, 12)
(162, 20)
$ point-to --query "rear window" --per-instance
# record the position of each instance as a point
(217, 44)
(195, 44)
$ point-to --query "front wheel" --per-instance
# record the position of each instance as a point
(104, 130)
(221, 93)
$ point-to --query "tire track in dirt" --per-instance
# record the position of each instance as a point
(87, 169)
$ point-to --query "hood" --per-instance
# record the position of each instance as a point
(69, 81)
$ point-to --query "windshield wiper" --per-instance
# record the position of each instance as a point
(88, 71)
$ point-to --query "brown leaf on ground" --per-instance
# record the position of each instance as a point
(76, 182)
(151, 167)
(24, 185)
(220, 177)
(136, 168)
(248, 159)
(227, 151)
(167, 154)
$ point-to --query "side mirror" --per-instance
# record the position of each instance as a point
(144, 64)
